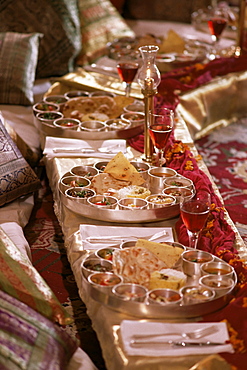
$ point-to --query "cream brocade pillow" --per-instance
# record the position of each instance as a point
(100, 23)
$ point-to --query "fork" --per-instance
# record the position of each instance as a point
(107, 239)
(196, 334)
(104, 149)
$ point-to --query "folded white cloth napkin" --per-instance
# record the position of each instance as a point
(72, 147)
(103, 65)
(95, 231)
(130, 327)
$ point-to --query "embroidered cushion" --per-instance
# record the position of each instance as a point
(57, 20)
(18, 61)
(100, 23)
(29, 340)
(17, 178)
(21, 280)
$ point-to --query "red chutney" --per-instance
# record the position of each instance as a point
(105, 279)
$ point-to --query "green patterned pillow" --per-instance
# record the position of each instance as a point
(17, 178)
(100, 23)
(18, 61)
(21, 280)
(29, 340)
(57, 20)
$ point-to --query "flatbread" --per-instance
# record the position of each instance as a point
(173, 43)
(80, 106)
(136, 264)
(165, 252)
(104, 183)
(121, 169)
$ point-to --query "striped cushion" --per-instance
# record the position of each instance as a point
(18, 61)
(21, 280)
(100, 23)
(57, 20)
(30, 341)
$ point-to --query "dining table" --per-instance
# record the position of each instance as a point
(108, 320)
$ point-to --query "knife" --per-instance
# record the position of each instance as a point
(139, 343)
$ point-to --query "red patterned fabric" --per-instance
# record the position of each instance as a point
(217, 237)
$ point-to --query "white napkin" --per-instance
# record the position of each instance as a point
(103, 65)
(53, 143)
(124, 232)
(130, 327)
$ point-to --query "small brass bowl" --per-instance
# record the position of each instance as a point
(95, 265)
(104, 281)
(70, 181)
(192, 261)
(92, 126)
(132, 203)
(103, 201)
(43, 107)
(220, 284)
(79, 194)
(196, 294)
(67, 123)
(100, 166)
(105, 253)
(180, 182)
(164, 297)
(178, 192)
(85, 171)
(130, 292)
(217, 268)
(156, 176)
(160, 200)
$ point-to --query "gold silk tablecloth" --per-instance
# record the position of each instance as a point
(105, 321)
(216, 104)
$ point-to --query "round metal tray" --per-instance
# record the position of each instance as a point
(143, 310)
(117, 215)
(49, 130)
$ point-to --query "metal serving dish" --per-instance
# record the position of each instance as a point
(49, 130)
(148, 311)
(131, 215)
(117, 215)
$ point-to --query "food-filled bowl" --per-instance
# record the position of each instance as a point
(160, 200)
(132, 203)
(79, 194)
(164, 296)
(193, 259)
(95, 265)
(104, 281)
(84, 171)
(130, 292)
(67, 182)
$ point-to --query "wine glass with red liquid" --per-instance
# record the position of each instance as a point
(217, 21)
(194, 212)
(160, 125)
(127, 68)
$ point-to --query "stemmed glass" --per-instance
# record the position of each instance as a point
(160, 125)
(217, 21)
(194, 212)
(127, 68)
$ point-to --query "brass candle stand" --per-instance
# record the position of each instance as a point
(149, 91)
(148, 78)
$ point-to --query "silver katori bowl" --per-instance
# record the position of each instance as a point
(192, 261)
(67, 182)
(95, 265)
(130, 292)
